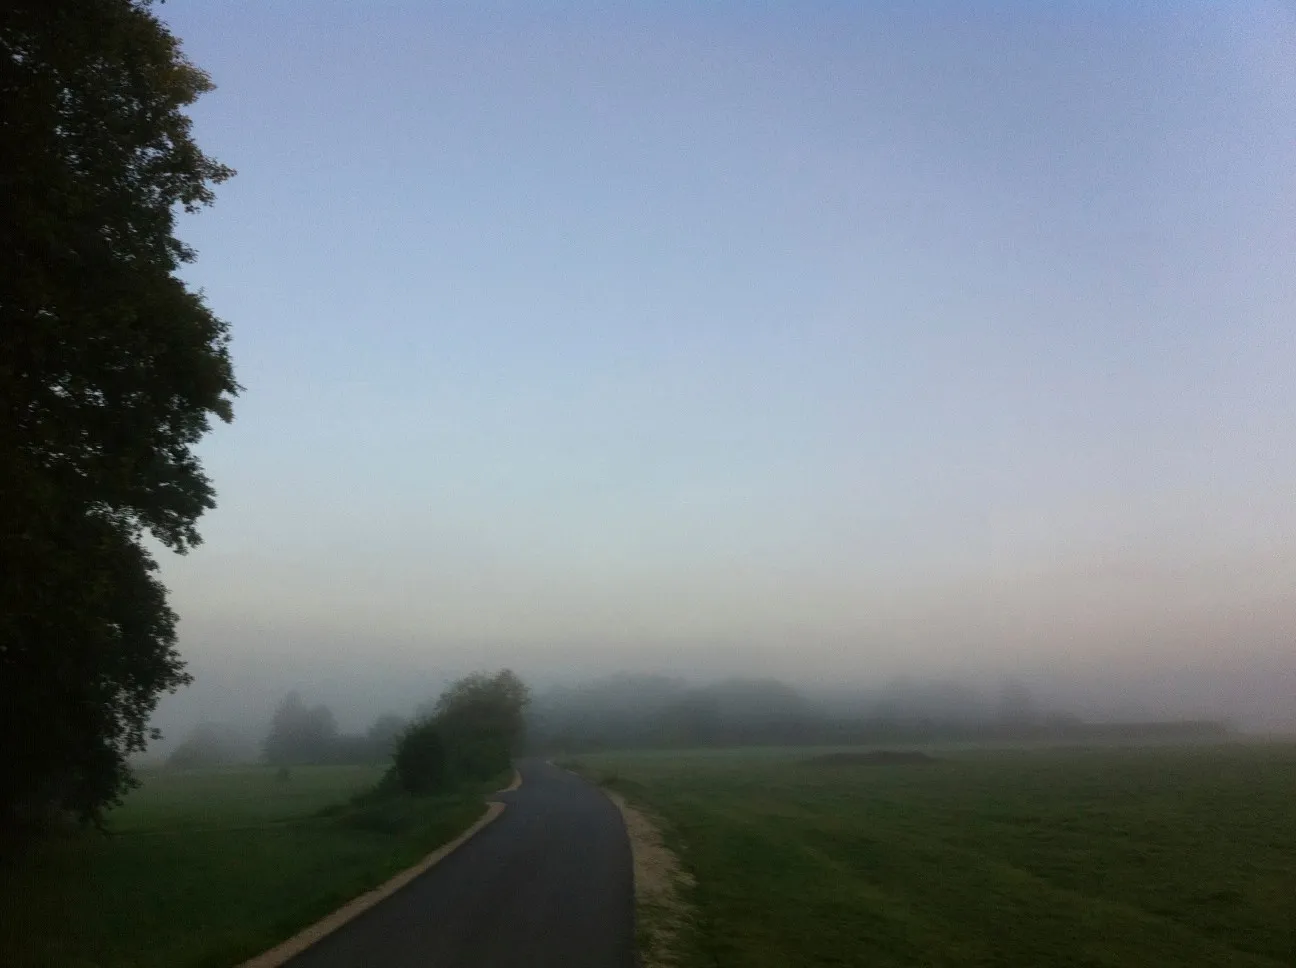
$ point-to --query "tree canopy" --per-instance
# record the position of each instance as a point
(470, 733)
(300, 733)
(111, 368)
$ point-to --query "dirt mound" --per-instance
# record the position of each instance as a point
(872, 758)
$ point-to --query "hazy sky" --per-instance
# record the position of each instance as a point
(852, 337)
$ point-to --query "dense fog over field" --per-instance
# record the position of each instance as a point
(831, 344)
(1248, 697)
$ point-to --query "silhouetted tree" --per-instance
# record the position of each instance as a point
(420, 761)
(615, 711)
(479, 721)
(301, 733)
(110, 369)
(382, 737)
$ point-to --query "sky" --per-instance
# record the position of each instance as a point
(822, 340)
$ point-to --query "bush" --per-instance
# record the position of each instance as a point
(478, 757)
(468, 735)
(421, 759)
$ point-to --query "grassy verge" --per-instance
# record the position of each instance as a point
(205, 869)
(667, 932)
(1108, 858)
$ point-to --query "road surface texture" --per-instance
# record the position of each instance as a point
(549, 883)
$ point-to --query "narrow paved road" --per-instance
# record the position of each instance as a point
(549, 883)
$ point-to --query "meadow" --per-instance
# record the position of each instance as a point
(206, 868)
(1171, 856)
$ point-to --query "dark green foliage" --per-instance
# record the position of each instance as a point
(481, 723)
(479, 757)
(110, 370)
(470, 733)
(421, 759)
(484, 704)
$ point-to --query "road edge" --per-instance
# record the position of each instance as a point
(517, 782)
(285, 951)
(662, 911)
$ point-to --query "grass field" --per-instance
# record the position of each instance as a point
(1157, 857)
(203, 869)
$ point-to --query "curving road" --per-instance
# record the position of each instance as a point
(549, 883)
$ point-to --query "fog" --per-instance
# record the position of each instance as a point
(844, 346)
(1250, 694)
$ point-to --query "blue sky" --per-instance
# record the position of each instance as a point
(890, 337)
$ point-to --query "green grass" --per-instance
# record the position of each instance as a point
(1166, 857)
(237, 795)
(207, 868)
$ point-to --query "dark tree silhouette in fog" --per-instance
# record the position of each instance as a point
(110, 371)
(470, 733)
(301, 733)
(381, 737)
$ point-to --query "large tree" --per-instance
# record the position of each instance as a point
(469, 733)
(301, 733)
(110, 370)
(481, 721)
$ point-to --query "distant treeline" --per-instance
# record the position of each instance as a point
(637, 711)
(470, 730)
(299, 734)
(664, 712)
(1058, 729)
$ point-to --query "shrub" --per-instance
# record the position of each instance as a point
(421, 759)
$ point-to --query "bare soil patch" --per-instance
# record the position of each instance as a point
(661, 911)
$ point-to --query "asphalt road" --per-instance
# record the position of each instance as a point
(549, 883)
